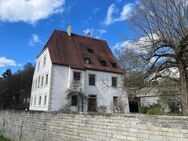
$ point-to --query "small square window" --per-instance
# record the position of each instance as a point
(87, 61)
(76, 76)
(91, 79)
(90, 50)
(114, 81)
(103, 62)
(114, 65)
(74, 100)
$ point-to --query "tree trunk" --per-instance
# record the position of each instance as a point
(184, 89)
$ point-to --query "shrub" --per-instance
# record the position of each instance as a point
(174, 105)
(154, 109)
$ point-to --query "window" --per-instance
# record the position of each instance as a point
(46, 78)
(103, 62)
(74, 100)
(115, 100)
(38, 66)
(40, 100)
(44, 63)
(45, 99)
(36, 84)
(87, 61)
(114, 81)
(114, 65)
(90, 50)
(42, 81)
(91, 79)
(35, 100)
(31, 101)
(39, 82)
(76, 76)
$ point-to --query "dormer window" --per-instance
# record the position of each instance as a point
(90, 50)
(87, 61)
(103, 62)
(114, 65)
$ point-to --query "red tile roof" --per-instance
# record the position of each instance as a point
(71, 51)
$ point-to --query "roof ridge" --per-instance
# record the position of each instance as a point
(80, 35)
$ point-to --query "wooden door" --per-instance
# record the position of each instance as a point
(92, 104)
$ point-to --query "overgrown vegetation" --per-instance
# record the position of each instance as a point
(3, 139)
(80, 98)
(15, 89)
(154, 109)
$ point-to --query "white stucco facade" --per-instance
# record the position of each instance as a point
(51, 95)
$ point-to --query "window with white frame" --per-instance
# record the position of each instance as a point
(38, 66)
(35, 100)
(40, 98)
(45, 99)
(44, 61)
(46, 79)
(42, 80)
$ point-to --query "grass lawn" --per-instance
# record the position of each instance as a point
(3, 139)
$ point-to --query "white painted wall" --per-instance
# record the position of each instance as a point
(42, 90)
(59, 84)
(103, 89)
(60, 78)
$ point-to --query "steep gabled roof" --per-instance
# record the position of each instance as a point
(72, 50)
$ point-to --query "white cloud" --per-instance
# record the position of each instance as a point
(29, 11)
(4, 62)
(109, 20)
(101, 31)
(124, 14)
(35, 39)
(140, 46)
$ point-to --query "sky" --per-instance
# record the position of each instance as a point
(26, 25)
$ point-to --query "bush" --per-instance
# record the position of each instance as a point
(154, 109)
(174, 105)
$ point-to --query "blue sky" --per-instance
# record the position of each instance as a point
(25, 25)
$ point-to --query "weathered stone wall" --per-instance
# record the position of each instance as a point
(36, 126)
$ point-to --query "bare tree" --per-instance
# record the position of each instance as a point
(165, 24)
(134, 70)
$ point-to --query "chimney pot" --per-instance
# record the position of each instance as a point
(69, 30)
(88, 34)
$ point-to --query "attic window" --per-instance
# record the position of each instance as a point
(114, 65)
(103, 62)
(87, 61)
(90, 50)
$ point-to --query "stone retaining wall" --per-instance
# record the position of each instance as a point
(41, 126)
